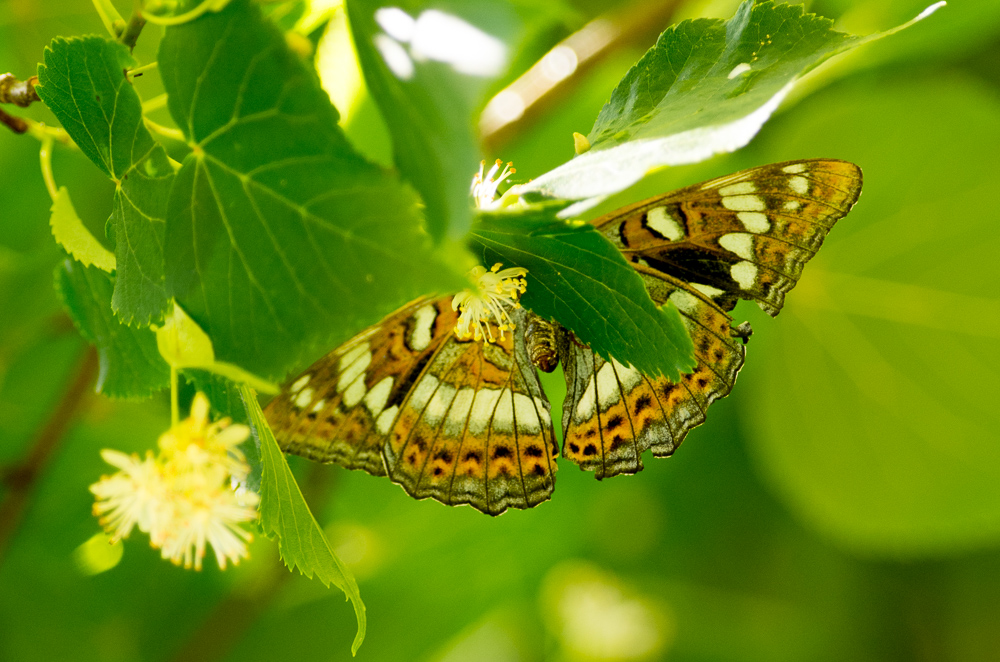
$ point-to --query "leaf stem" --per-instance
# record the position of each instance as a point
(133, 29)
(143, 69)
(175, 410)
(22, 479)
(113, 21)
(45, 157)
(155, 103)
(166, 132)
(203, 8)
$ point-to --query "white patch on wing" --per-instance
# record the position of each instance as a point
(318, 407)
(658, 219)
(684, 301)
(742, 188)
(744, 273)
(482, 410)
(754, 221)
(386, 419)
(799, 184)
(420, 333)
(744, 203)
(354, 392)
(352, 355)
(629, 377)
(304, 398)
(588, 401)
(608, 392)
(438, 406)
(739, 243)
(707, 290)
(459, 412)
(543, 411)
(503, 416)
(423, 391)
(353, 370)
(378, 396)
(794, 169)
(791, 205)
(527, 417)
(300, 383)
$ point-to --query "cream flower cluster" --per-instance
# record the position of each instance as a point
(182, 497)
(497, 291)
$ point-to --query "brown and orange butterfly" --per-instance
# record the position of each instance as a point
(467, 422)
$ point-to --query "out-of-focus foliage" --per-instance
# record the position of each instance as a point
(839, 505)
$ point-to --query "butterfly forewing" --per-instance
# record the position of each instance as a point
(746, 235)
(342, 408)
(612, 413)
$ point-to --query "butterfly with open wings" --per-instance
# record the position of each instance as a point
(467, 422)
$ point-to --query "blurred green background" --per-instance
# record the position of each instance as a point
(843, 503)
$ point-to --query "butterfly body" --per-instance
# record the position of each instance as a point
(467, 422)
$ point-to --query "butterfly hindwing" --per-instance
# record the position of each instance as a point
(460, 421)
(476, 428)
(612, 413)
(743, 236)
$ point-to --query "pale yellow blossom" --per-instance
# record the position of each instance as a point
(485, 184)
(183, 497)
(497, 292)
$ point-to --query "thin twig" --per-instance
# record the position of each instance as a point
(15, 124)
(22, 480)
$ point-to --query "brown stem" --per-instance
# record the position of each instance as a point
(21, 480)
(236, 613)
(18, 92)
(15, 124)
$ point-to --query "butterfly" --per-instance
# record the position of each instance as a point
(467, 422)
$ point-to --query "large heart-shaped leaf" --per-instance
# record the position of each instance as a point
(279, 235)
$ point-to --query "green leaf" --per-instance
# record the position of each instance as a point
(285, 515)
(428, 101)
(706, 87)
(872, 402)
(579, 279)
(70, 232)
(83, 82)
(183, 344)
(279, 236)
(130, 365)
